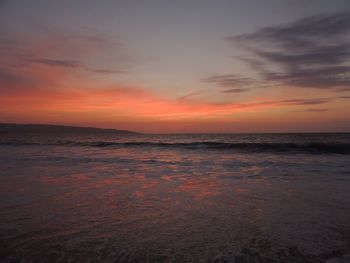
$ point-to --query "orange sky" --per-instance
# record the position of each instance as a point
(78, 76)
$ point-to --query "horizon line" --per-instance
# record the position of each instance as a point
(176, 133)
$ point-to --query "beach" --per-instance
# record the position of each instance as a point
(175, 198)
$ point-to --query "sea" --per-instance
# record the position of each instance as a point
(78, 197)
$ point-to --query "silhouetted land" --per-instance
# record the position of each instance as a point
(45, 128)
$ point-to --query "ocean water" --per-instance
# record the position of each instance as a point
(174, 198)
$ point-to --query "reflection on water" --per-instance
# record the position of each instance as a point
(76, 204)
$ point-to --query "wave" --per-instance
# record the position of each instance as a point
(314, 147)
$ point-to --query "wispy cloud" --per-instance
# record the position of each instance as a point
(313, 52)
(71, 64)
(189, 95)
(58, 62)
(305, 101)
(231, 83)
(135, 101)
(62, 51)
(344, 97)
(229, 80)
(311, 110)
(235, 90)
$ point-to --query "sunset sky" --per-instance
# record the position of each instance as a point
(177, 66)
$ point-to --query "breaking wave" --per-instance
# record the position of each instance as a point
(313, 148)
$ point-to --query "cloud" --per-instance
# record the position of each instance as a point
(302, 33)
(311, 110)
(104, 71)
(58, 63)
(35, 68)
(235, 90)
(313, 52)
(71, 64)
(67, 52)
(343, 90)
(231, 82)
(344, 97)
(108, 103)
(189, 95)
(312, 101)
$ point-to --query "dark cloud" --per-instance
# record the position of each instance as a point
(232, 83)
(288, 102)
(313, 52)
(229, 80)
(104, 71)
(58, 63)
(71, 64)
(303, 32)
(65, 51)
(311, 110)
(343, 90)
(235, 90)
(312, 101)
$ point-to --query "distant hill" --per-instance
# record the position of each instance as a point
(45, 128)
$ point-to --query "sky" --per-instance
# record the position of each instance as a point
(155, 66)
